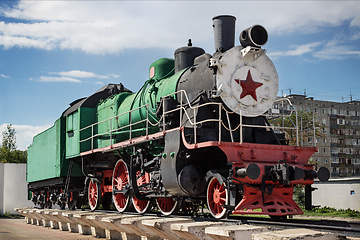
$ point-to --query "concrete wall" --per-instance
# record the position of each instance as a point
(13, 187)
(338, 193)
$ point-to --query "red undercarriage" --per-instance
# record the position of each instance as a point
(280, 201)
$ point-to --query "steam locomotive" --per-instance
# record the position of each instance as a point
(194, 135)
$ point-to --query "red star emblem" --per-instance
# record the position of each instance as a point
(248, 86)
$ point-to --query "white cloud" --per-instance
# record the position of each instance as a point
(336, 52)
(57, 79)
(80, 74)
(24, 134)
(110, 27)
(297, 50)
(2, 75)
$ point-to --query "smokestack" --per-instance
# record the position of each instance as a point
(224, 32)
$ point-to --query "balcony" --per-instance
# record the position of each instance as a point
(342, 165)
(345, 174)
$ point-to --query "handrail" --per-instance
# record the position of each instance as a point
(184, 108)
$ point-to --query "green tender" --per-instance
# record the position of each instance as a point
(46, 156)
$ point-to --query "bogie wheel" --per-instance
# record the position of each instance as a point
(94, 193)
(168, 205)
(119, 181)
(217, 197)
(141, 206)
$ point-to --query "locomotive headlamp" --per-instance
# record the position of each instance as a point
(255, 36)
(252, 171)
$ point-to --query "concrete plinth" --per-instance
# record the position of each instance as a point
(162, 227)
(238, 232)
(294, 234)
(36, 219)
(134, 224)
(97, 227)
(54, 222)
(194, 230)
(114, 222)
(56, 215)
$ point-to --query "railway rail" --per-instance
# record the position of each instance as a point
(114, 225)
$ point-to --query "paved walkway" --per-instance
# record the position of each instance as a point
(16, 228)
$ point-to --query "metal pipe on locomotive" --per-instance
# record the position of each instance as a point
(194, 135)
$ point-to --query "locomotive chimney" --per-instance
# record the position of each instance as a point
(224, 32)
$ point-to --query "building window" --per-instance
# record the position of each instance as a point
(324, 150)
(309, 109)
(324, 110)
(316, 110)
(324, 140)
(324, 121)
(325, 160)
(317, 140)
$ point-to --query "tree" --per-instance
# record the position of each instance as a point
(8, 151)
(9, 138)
(306, 127)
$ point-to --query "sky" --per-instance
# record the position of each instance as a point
(54, 52)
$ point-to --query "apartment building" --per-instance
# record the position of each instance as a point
(339, 148)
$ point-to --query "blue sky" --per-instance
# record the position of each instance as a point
(54, 52)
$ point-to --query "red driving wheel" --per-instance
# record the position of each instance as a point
(94, 193)
(119, 181)
(167, 205)
(217, 198)
(141, 206)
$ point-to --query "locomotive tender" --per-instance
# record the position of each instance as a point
(194, 134)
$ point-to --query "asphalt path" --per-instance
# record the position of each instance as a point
(16, 228)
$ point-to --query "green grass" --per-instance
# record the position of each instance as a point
(332, 212)
(10, 215)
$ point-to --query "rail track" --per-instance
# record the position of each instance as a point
(114, 225)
